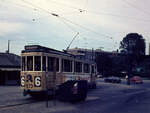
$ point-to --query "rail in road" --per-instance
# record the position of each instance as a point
(17, 104)
(103, 95)
(35, 101)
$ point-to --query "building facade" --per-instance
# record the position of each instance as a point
(90, 54)
(9, 69)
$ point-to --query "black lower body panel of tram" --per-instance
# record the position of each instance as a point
(35, 94)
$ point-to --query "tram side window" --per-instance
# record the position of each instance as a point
(37, 63)
(86, 68)
(23, 64)
(57, 64)
(92, 69)
(29, 63)
(67, 65)
(78, 67)
(44, 63)
(51, 64)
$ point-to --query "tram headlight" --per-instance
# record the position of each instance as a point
(22, 81)
(37, 81)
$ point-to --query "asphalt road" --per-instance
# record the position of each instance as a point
(107, 98)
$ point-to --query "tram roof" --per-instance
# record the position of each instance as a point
(38, 48)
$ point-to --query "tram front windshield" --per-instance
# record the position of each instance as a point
(32, 63)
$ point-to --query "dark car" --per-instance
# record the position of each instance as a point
(136, 80)
(112, 79)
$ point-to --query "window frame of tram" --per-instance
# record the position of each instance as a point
(43, 63)
(37, 63)
(23, 63)
(30, 63)
(78, 67)
(86, 68)
(92, 69)
(67, 65)
(50, 63)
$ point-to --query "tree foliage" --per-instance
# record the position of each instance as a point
(133, 43)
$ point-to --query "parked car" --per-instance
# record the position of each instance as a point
(112, 79)
(136, 80)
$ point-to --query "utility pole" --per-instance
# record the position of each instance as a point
(149, 48)
(93, 55)
(8, 46)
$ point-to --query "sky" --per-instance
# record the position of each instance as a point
(54, 23)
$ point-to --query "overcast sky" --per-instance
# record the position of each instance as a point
(54, 23)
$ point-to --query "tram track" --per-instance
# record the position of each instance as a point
(17, 104)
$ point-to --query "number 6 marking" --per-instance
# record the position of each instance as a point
(37, 81)
(22, 81)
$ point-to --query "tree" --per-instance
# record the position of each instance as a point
(133, 43)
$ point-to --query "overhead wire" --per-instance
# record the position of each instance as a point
(67, 20)
(81, 33)
(85, 28)
(58, 16)
(35, 7)
(20, 5)
(68, 6)
(70, 13)
(85, 36)
(136, 7)
(68, 25)
(42, 9)
(63, 4)
(101, 13)
(83, 10)
(76, 31)
(71, 28)
(119, 16)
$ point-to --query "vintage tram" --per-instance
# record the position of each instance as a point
(49, 69)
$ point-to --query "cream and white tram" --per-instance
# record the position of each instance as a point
(47, 69)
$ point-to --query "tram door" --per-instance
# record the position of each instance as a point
(51, 73)
(92, 74)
